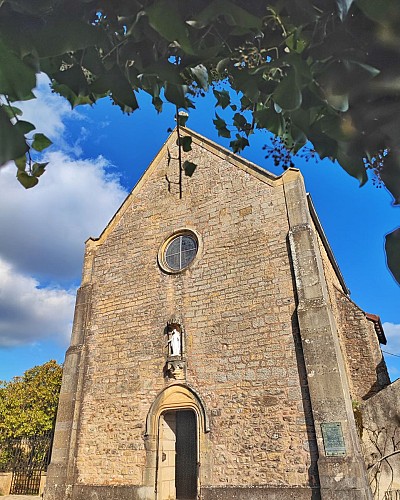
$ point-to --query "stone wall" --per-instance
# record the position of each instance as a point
(366, 365)
(364, 362)
(5, 482)
(380, 429)
(237, 305)
(264, 365)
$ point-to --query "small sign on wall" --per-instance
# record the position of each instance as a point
(332, 435)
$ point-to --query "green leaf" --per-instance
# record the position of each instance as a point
(240, 122)
(28, 181)
(378, 9)
(297, 137)
(296, 42)
(13, 143)
(390, 174)
(232, 13)
(338, 102)
(116, 83)
(17, 79)
(220, 125)
(186, 143)
(24, 127)
(354, 165)
(124, 96)
(189, 168)
(239, 144)
(269, 119)
(73, 99)
(157, 103)
(223, 98)
(39, 168)
(12, 111)
(223, 65)
(61, 36)
(176, 94)
(165, 71)
(20, 163)
(301, 67)
(200, 74)
(312, 98)
(246, 84)
(91, 60)
(392, 248)
(74, 79)
(165, 17)
(334, 126)
(246, 103)
(41, 142)
(323, 145)
(28, 404)
(287, 94)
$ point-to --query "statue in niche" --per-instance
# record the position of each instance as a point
(175, 366)
(174, 339)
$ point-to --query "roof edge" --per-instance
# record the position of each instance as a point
(124, 205)
(378, 327)
(325, 242)
(229, 155)
(238, 161)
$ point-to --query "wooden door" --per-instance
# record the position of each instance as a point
(177, 456)
(186, 456)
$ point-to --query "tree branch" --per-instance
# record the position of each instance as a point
(396, 452)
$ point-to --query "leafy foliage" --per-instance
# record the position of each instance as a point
(318, 71)
(28, 404)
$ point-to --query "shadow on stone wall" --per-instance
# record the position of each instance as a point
(381, 380)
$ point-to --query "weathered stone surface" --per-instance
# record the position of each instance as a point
(263, 360)
(380, 430)
(5, 482)
(259, 493)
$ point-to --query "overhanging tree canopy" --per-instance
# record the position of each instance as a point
(324, 71)
(28, 404)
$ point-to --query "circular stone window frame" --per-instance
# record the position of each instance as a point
(162, 251)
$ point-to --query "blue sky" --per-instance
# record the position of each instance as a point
(97, 157)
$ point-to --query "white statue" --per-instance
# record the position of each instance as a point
(175, 343)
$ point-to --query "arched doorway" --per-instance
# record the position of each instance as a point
(176, 443)
(178, 456)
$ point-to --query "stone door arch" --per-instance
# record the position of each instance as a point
(177, 413)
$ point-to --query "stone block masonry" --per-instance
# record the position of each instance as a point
(247, 305)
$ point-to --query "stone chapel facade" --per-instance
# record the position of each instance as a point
(215, 351)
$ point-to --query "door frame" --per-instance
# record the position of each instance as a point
(173, 398)
(159, 452)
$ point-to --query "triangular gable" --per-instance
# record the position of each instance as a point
(212, 147)
(235, 160)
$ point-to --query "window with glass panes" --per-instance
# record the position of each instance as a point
(180, 252)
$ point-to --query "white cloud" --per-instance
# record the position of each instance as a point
(392, 332)
(43, 229)
(29, 313)
(48, 111)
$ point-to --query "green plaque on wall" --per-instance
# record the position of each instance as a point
(332, 435)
